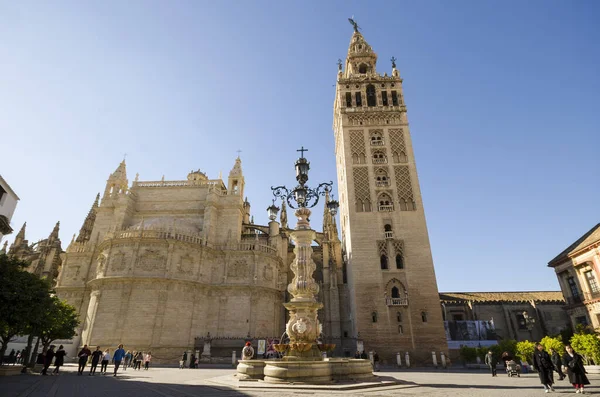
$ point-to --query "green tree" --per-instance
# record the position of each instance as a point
(524, 350)
(553, 343)
(59, 322)
(468, 354)
(588, 345)
(23, 299)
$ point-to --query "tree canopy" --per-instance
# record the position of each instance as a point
(58, 322)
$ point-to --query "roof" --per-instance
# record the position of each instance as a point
(5, 184)
(589, 238)
(488, 297)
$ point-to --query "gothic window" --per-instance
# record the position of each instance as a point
(396, 294)
(362, 69)
(359, 206)
(385, 202)
(348, 99)
(399, 262)
(379, 158)
(383, 261)
(367, 205)
(424, 317)
(376, 138)
(374, 317)
(358, 99)
(400, 329)
(387, 231)
(394, 98)
(371, 98)
(384, 98)
(381, 178)
(399, 317)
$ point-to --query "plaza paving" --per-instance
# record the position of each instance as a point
(215, 381)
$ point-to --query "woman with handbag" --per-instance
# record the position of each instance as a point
(573, 364)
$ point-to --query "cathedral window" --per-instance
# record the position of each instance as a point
(424, 317)
(358, 99)
(387, 231)
(394, 98)
(348, 99)
(379, 158)
(399, 317)
(374, 317)
(383, 261)
(385, 203)
(384, 98)
(381, 178)
(399, 261)
(362, 69)
(376, 138)
(396, 294)
(371, 97)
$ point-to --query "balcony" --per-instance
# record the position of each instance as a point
(389, 235)
(386, 208)
(396, 301)
(377, 143)
(591, 295)
(382, 183)
(379, 161)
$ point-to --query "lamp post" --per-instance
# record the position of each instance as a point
(303, 327)
(529, 323)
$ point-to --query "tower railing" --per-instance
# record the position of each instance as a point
(396, 301)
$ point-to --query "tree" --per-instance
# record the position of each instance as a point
(525, 350)
(553, 343)
(588, 345)
(23, 299)
(59, 322)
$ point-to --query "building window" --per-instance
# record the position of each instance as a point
(379, 158)
(358, 99)
(399, 317)
(362, 69)
(376, 139)
(384, 99)
(573, 288)
(400, 329)
(381, 178)
(399, 262)
(383, 261)
(371, 98)
(394, 98)
(348, 99)
(582, 320)
(387, 231)
(395, 293)
(521, 321)
(589, 276)
(345, 334)
(385, 203)
(374, 317)
(457, 317)
(424, 317)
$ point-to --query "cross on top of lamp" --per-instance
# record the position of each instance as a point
(302, 197)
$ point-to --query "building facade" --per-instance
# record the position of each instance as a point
(8, 204)
(577, 269)
(483, 318)
(394, 301)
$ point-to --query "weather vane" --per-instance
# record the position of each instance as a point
(354, 24)
(393, 59)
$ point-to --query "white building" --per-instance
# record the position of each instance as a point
(8, 203)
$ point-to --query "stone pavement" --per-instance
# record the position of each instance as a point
(209, 381)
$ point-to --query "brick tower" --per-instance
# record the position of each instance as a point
(393, 297)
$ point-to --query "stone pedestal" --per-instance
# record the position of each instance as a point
(205, 357)
(250, 369)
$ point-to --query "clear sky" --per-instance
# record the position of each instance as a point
(502, 101)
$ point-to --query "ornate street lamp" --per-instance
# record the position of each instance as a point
(272, 211)
(529, 321)
(303, 327)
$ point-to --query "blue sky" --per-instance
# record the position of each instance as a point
(502, 102)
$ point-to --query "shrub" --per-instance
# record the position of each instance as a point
(553, 343)
(588, 345)
(525, 350)
(468, 354)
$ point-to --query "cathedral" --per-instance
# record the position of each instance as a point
(174, 265)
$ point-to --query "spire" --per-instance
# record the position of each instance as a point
(19, 239)
(121, 171)
(54, 234)
(21, 234)
(85, 233)
(237, 168)
(4, 248)
(283, 216)
(117, 181)
(326, 214)
(235, 185)
(361, 59)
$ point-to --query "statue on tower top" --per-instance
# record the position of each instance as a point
(354, 24)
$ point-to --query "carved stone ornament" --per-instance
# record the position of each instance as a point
(239, 268)
(151, 260)
(100, 265)
(118, 262)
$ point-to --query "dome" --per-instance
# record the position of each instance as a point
(197, 176)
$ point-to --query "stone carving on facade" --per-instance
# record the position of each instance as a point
(151, 260)
(268, 273)
(186, 264)
(238, 268)
(118, 262)
(101, 261)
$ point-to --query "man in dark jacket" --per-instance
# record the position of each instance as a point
(543, 365)
(48, 360)
(556, 361)
(83, 357)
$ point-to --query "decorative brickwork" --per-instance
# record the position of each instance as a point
(398, 145)
(357, 147)
(404, 187)
(362, 193)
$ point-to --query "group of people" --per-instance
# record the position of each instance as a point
(15, 357)
(128, 359)
(193, 361)
(547, 363)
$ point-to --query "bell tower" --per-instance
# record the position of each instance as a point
(393, 294)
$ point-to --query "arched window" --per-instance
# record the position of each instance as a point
(399, 317)
(367, 206)
(399, 262)
(387, 228)
(362, 69)
(384, 98)
(395, 293)
(371, 97)
(424, 316)
(348, 99)
(385, 202)
(374, 317)
(376, 139)
(359, 206)
(381, 178)
(400, 329)
(358, 99)
(383, 261)
(403, 205)
(379, 158)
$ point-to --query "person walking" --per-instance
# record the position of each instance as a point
(542, 363)
(83, 357)
(491, 362)
(48, 359)
(128, 357)
(105, 361)
(96, 356)
(59, 359)
(19, 354)
(573, 364)
(118, 357)
(11, 357)
(193, 361)
(556, 361)
(137, 360)
(183, 360)
(147, 359)
(376, 360)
